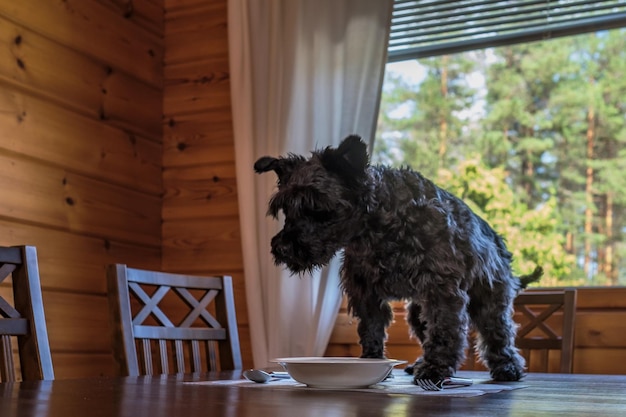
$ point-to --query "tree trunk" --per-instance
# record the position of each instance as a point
(443, 122)
(528, 170)
(608, 256)
(569, 242)
(589, 192)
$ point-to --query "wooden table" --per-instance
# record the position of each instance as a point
(545, 395)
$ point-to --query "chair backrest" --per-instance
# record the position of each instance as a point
(151, 336)
(537, 336)
(24, 319)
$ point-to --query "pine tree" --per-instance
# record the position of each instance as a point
(422, 124)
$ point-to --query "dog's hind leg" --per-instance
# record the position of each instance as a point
(374, 317)
(492, 315)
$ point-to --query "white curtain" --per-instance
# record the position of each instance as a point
(304, 74)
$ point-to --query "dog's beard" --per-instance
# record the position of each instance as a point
(300, 258)
(299, 268)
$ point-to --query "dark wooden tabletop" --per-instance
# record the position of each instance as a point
(544, 395)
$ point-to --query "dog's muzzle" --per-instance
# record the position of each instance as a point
(287, 252)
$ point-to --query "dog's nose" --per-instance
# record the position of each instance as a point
(279, 250)
(281, 247)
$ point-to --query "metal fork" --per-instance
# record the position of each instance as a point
(429, 385)
(448, 382)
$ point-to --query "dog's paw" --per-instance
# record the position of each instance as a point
(435, 374)
(373, 354)
(507, 372)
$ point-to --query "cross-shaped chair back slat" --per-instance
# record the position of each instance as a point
(23, 319)
(537, 335)
(150, 336)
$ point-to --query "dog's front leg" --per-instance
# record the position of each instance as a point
(417, 330)
(374, 317)
(445, 336)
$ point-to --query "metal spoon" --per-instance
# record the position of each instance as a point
(261, 377)
(256, 375)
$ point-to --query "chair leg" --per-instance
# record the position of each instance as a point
(6, 359)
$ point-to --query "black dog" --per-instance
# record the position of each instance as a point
(403, 238)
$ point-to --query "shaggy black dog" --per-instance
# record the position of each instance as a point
(403, 238)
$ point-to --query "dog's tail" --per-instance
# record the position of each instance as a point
(530, 278)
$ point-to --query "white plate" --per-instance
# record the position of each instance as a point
(338, 372)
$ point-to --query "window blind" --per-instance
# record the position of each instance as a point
(434, 27)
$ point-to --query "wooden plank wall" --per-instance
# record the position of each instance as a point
(200, 214)
(600, 345)
(80, 156)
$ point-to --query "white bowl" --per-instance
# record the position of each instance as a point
(337, 372)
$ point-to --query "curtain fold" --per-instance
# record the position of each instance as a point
(304, 74)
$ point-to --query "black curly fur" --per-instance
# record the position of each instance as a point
(403, 238)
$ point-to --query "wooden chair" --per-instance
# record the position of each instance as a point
(24, 320)
(536, 336)
(139, 300)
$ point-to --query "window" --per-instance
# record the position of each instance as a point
(532, 135)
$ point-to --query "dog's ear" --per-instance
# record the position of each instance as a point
(349, 158)
(265, 163)
(283, 167)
